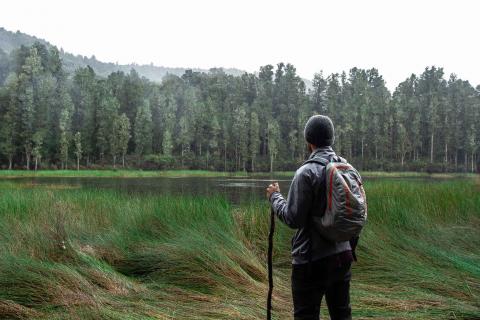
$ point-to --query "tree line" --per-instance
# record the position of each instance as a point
(216, 121)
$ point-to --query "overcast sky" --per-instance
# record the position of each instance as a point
(397, 37)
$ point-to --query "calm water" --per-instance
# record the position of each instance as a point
(234, 189)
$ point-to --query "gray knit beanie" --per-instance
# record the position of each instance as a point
(319, 131)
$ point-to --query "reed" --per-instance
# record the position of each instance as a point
(102, 254)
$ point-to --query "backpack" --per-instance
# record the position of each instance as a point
(346, 210)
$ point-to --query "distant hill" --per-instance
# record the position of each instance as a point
(10, 41)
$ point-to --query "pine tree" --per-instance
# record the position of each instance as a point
(37, 147)
(84, 114)
(431, 94)
(273, 141)
(7, 119)
(65, 124)
(106, 114)
(123, 132)
(28, 84)
(240, 131)
(119, 138)
(254, 138)
(78, 148)
(143, 130)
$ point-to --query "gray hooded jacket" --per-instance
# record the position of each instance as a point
(307, 197)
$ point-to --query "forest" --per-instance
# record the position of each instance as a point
(50, 118)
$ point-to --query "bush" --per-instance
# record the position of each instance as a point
(158, 161)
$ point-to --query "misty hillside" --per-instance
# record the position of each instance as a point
(12, 40)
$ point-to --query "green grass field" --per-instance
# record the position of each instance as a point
(99, 254)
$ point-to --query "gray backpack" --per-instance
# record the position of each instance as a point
(346, 210)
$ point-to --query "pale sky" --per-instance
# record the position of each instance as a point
(397, 37)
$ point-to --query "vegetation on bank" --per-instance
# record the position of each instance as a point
(121, 173)
(101, 254)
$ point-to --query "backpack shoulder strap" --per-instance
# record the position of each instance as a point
(324, 161)
(318, 160)
(339, 159)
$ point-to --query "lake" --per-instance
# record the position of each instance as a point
(236, 190)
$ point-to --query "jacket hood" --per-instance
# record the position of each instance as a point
(322, 152)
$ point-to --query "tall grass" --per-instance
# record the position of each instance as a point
(99, 254)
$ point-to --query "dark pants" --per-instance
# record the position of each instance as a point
(310, 282)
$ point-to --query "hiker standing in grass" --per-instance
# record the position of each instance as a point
(320, 267)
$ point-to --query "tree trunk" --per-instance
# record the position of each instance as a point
(431, 148)
(78, 163)
(28, 162)
(456, 159)
(476, 162)
(236, 157)
(36, 163)
(362, 147)
(253, 167)
(264, 145)
(224, 157)
(10, 163)
(403, 157)
(446, 153)
(271, 163)
(472, 162)
(114, 161)
(182, 155)
(123, 160)
(208, 153)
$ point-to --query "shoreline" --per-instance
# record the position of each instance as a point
(125, 173)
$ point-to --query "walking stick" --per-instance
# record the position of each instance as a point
(270, 266)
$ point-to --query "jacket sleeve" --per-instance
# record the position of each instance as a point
(294, 211)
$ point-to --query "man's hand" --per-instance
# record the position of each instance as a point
(274, 187)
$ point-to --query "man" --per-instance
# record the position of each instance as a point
(319, 267)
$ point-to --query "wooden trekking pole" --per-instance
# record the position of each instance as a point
(270, 266)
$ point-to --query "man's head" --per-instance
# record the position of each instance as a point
(319, 131)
